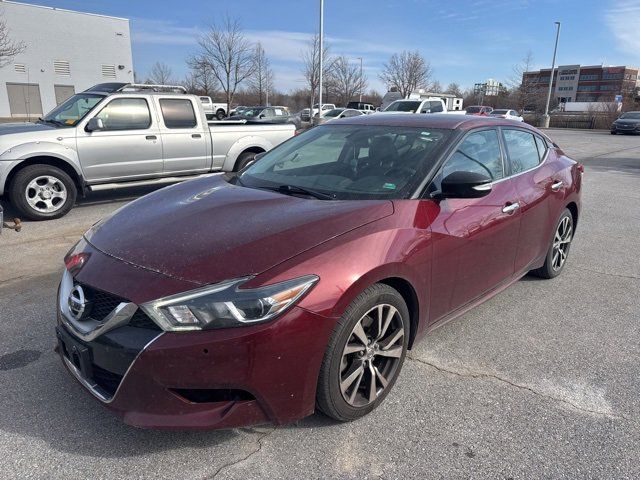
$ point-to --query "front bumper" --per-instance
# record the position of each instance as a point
(198, 380)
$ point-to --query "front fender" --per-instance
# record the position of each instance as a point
(243, 144)
(13, 157)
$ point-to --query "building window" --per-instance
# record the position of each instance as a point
(589, 77)
(565, 89)
(608, 87)
(569, 77)
(587, 88)
(108, 71)
(61, 67)
(611, 76)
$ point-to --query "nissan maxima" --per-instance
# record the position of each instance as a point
(301, 282)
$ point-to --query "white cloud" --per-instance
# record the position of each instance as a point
(624, 20)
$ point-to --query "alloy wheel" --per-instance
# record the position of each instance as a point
(372, 355)
(561, 243)
(46, 194)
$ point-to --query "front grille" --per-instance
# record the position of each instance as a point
(102, 303)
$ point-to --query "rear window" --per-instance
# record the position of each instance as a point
(499, 112)
(473, 110)
(404, 106)
(178, 113)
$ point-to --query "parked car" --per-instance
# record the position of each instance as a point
(335, 114)
(479, 110)
(237, 111)
(213, 110)
(115, 135)
(429, 105)
(362, 106)
(306, 114)
(506, 113)
(628, 122)
(268, 115)
(302, 282)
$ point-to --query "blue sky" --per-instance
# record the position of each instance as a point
(466, 41)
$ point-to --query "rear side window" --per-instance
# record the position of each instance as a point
(178, 113)
(542, 147)
(480, 153)
(125, 114)
(522, 150)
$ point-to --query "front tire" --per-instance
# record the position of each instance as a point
(559, 249)
(365, 354)
(245, 159)
(42, 192)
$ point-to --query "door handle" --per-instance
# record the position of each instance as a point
(557, 186)
(510, 208)
(151, 137)
(195, 135)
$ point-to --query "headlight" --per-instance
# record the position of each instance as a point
(226, 305)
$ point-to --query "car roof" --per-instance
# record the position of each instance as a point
(450, 121)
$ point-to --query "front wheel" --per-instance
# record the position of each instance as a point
(244, 160)
(559, 248)
(365, 354)
(42, 192)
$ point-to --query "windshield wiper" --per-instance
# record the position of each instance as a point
(292, 189)
(52, 122)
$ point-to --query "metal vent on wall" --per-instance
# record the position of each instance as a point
(20, 68)
(61, 67)
(109, 71)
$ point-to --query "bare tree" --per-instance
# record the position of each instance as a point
(8, 47)
(261, 82)
(229, 54)
(160, 74)
(346, 79)
(201, 76)
(454, 89)
(406, 72)
(524, 88)
(436, 87)
(311, 66)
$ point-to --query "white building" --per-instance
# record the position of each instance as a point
(66, 52)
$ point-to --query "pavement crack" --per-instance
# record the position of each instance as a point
(619, 275)
(226, 466)
(470, 374)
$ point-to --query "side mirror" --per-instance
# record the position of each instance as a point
(465, 185)
(262, 115)
(94, 124)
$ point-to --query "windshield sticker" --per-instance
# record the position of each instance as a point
(389, 186)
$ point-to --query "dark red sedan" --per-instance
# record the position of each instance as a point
(302, 281)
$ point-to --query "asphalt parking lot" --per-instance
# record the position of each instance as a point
(539, 382)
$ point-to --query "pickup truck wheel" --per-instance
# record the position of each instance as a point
(245, 159)
(220, 115)
(42, 192)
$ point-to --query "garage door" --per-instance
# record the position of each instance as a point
(24, 99)
(63, 92)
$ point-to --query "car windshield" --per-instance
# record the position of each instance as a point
(499, 112)
(403, 106)
(334, 113)
(350, 162)
(252, 112)
(631, 116)
(69, 113)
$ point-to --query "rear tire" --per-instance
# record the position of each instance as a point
(365, 354)
(245, 159)
(42, 192)
(559, 249)
(220, 115)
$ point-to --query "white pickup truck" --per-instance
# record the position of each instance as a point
(428, 105)
(213, 110)
(115, 135)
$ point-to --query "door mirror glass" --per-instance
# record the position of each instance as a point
(94, 124)
(465, 185)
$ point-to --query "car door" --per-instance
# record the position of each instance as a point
(185, 139)
(533, 173)
(128, 145)
(474, 240)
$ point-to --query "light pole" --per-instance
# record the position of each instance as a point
(320, 55)
(361, 82)
(546, 118)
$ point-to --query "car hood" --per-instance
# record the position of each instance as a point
(207, 230)
(11, 128)
(627, 121)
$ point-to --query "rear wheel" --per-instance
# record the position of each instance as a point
(559, 249)
(365, 354)
(244, 160)
(220, 114)
(42, 192)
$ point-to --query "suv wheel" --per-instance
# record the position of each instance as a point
(365, 354)
(42, 192)
(220, 115)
